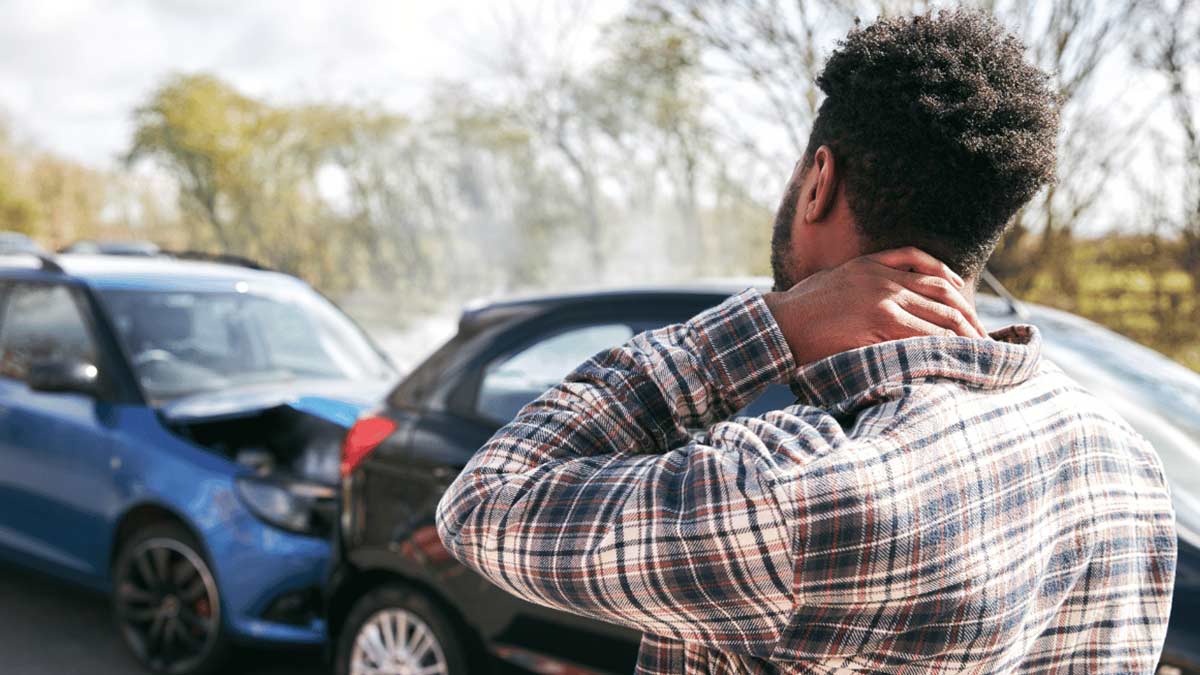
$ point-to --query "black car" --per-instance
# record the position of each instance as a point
(397, 601)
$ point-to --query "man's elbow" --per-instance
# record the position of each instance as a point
(449, 518)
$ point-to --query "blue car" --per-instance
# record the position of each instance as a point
(169, 434)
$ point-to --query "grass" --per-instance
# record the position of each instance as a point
(1146, 298)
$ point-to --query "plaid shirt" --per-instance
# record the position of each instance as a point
(944, 505)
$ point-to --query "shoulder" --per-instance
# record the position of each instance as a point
(1100, 433)
(1091, 413)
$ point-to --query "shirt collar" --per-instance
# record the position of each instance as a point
(851, 380)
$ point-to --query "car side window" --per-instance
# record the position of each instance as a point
(42, 322)
(516, 379)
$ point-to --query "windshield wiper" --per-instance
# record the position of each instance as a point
(1014, 306)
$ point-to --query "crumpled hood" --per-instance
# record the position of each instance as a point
(337, 401)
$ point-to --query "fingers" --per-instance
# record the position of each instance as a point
(938, 290)
(911, 258)
(915, 326)
(945, 319)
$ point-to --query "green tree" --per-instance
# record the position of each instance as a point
(18, 212)
(248, 173)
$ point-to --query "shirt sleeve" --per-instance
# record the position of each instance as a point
(596, 500)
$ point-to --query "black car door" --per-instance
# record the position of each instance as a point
(514, 370)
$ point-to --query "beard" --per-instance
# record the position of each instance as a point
(782, 266)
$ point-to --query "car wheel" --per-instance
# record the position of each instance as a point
(395, 629)
(166, 603)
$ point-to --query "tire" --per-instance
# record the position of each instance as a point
(166, 604)
(384, 606)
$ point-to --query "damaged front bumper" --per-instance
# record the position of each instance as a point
(268, 530)
(270, 580)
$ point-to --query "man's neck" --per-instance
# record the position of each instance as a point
(968, 290)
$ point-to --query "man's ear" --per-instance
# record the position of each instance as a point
(823, 190)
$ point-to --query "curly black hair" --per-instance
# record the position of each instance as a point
(941, 129)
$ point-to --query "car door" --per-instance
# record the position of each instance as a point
(518, 367)
(55, 448)
(501, 382)
(535, 357)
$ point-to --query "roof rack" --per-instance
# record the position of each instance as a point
(46, 260)
(223, 258)
(49, 264)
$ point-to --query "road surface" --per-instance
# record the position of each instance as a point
(51, 628)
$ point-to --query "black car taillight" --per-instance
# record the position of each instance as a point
(363, 438)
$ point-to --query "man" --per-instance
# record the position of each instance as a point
(944, 502)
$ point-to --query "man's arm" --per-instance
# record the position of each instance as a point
(594, 501)
(580, 504)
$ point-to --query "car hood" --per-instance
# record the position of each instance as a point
(337, 401)
(1158, 397)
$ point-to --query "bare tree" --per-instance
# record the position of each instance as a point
(1075, 41)
(764, 56)
(1171, 48)
(539, 71)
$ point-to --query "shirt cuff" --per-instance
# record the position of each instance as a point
(742, 340)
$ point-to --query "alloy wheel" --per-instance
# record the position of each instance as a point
(167, 605)
(397, 642)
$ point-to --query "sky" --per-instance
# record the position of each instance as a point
(72, 71)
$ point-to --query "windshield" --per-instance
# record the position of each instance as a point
(182, 343)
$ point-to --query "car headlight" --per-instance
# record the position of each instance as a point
(301, 507)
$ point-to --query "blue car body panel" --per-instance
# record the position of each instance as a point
(72, 467)
(253, 562)
(51, 507)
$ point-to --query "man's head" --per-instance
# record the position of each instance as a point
(933, 133)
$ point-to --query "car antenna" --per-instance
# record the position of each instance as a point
(1014, 306)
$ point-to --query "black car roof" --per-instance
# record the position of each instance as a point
(480, 314)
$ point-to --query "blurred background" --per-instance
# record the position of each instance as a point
(402, 156)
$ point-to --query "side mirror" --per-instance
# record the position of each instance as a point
(78, 377)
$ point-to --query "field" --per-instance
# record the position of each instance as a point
(1134, 286)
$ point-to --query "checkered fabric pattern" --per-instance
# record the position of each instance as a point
(931, 505)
